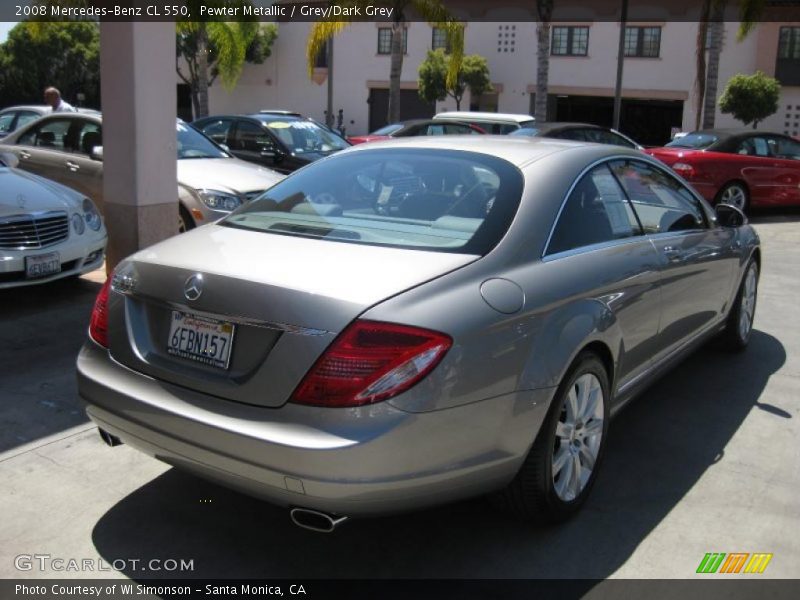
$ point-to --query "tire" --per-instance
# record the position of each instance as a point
(736, 194)
(536, 493)
(185, 221)
(739, 326)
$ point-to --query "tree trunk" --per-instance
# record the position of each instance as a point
(395, 72)
(700, 62)
(202, 73)
(716, 31)
(195, 101)
(542, 69)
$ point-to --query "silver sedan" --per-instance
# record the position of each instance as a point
(414, 322)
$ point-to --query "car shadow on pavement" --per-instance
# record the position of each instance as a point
(42, 328)
(659, 448)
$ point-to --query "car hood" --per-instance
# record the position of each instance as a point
(225, 174)
(25, 192)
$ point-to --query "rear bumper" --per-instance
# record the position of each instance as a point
(367, 460)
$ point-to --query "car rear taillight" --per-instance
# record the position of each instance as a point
(98, 326)
(369, 362)
(685, 170)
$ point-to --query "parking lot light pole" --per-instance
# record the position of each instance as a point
(139, 116)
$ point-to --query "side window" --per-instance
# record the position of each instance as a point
(785, 148)
(252, 138)
(596, 211)
(53, 134)
(218, 130)
(5, 122)
(754, 146)
(89, 136)
(436, 129)
(661, 202)
(25, 117)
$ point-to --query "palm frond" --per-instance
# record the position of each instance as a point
(230, 40)
(436, 13)
(749, 14)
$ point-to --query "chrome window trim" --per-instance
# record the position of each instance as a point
(645, 159)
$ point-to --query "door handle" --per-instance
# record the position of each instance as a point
(23, 154)
(72, 166)
(673, 254)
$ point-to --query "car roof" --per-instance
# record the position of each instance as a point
(519, 151)
(488, 116)
(44, 109)
(552, 125)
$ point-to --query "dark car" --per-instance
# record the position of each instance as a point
(280, 140)
(742, 167)
(417, 127)
(579, 132)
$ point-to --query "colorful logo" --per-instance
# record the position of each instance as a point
(734, 562)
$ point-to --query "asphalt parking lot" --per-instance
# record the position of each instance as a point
(707, 461)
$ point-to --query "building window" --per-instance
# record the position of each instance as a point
(321, 61)
(439, 39)
(506, 38)
(385, 40)
(570, 41)
(787, 64)
(643, 42)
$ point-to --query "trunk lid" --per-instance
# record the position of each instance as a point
(287, 298)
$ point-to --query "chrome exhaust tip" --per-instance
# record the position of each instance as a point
(110, 440)
(315, 520)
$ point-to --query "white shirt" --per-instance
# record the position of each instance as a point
(64, 107)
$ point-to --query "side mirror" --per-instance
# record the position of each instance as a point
(729, 216)
(97, 153)
(9, 159)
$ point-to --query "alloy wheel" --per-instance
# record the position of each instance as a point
(579, 433)
(748, 303)
(735, 196)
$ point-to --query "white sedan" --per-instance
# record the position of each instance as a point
(47, 231)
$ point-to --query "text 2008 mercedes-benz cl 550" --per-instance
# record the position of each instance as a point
(409, 323)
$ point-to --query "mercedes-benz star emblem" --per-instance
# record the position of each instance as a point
(193, 287)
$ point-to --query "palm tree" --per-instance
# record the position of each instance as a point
(224, 43)
(433, 11)
(544, 10)
(710, 34)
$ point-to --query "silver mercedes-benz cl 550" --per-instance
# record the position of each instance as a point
(413, 322)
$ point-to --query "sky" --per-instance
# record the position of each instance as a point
(4, 29)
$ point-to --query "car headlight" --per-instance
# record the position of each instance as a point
(78, 223)
(217, 200)
(91, 216)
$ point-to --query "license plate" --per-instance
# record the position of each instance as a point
(42, 265)
(204, 340)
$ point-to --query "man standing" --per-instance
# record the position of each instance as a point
(53, 97)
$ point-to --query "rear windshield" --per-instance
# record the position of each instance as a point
(696, 141)
(440, 200)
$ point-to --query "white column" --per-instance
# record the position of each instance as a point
(138, 90)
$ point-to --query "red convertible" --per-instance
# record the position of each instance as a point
(746, 168)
